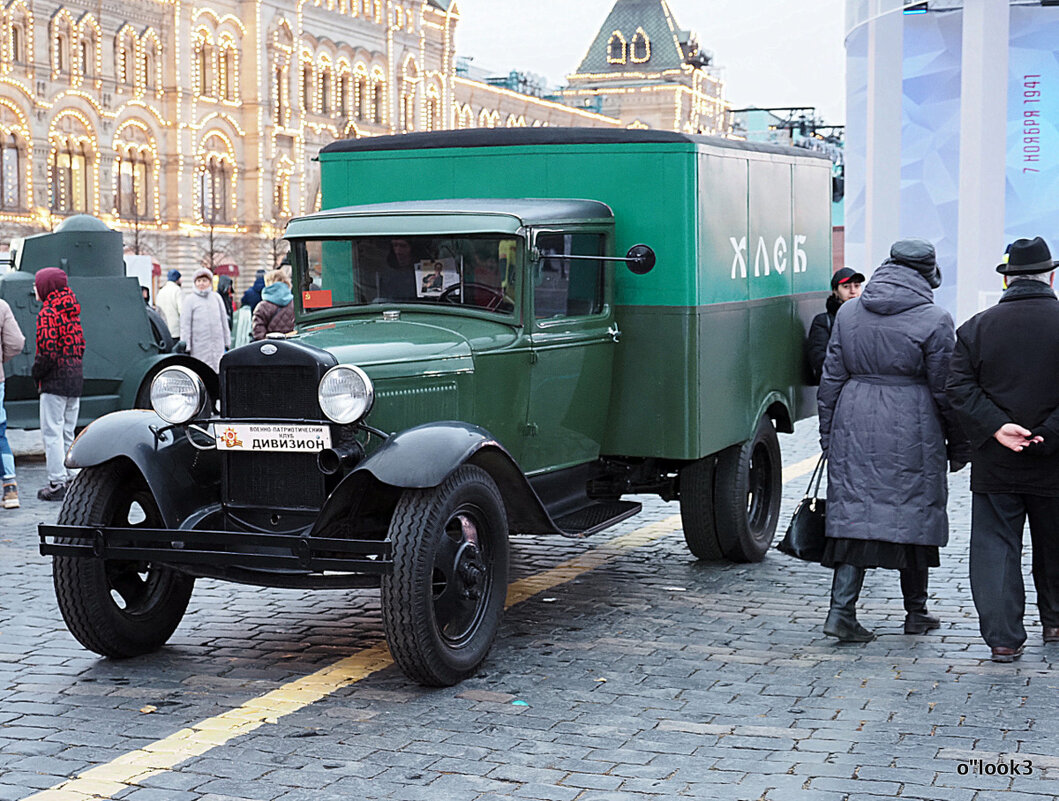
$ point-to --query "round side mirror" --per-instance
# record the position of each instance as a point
(641, 259)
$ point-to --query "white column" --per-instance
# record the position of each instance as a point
(983, 129)
(882, 213)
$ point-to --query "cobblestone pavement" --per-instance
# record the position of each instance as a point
(652, 676)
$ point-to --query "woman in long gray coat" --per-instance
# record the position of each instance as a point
(204, 322)
(887, 429)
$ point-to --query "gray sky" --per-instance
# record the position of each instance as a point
(773, 52)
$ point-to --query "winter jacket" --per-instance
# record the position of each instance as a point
(1005, 369)
(252, 296)
(275, 312)
(819, 334)
(58, 365)
(169, 300)
(204, 327)
(225, 289)
(12, 339)
(884, 415)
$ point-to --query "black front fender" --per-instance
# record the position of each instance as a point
(424, 456)
(182, 478)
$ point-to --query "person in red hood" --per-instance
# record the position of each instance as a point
(57, 370)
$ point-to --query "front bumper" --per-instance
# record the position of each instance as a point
(219, 552)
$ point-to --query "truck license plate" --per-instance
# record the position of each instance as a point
(271, 437)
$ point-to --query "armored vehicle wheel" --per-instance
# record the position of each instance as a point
(748, 487)
(116, 608)
(696, 508)
(441, 608)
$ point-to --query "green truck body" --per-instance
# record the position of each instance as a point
(471, 360)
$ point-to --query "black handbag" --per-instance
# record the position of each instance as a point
(805, 537)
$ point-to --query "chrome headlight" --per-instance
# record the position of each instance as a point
(346, 394)
(177, 394)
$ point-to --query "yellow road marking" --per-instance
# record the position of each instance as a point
(130, 769)
(799, 469)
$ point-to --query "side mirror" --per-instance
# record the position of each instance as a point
(640, 259)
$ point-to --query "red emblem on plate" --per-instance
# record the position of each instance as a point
(230, 439)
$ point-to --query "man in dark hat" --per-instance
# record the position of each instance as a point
(845, 285)
(1004, 384)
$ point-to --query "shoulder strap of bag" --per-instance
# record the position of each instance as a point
(813, 490)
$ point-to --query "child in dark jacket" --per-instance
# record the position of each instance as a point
(57, 370)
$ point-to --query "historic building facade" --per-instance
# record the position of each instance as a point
(648, 72)
(192, 127)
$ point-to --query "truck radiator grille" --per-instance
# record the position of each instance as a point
(290, 480)
(280, 392)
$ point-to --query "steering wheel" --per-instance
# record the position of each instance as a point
(454, 294)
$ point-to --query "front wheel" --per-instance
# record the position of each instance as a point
(117, 608)
(442, 605)
(748, 487)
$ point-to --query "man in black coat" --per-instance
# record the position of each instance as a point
(845, 284)
(1004, 384)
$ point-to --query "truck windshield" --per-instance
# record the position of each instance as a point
(475, 271)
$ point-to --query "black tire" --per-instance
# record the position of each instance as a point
(696, 508)
(748, 489)
(116, 608)
(442, 605)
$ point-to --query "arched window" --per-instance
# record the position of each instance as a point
(202, 67)
(70, 166)
(433, 111)
(215, 189)
(226, 62)
(133, 196)
(616, 48)
(11, 164)
(307, 87)
(62, 58)
(17, 56)
(325, 91)
(343, 96)
(409, 89)
(641, 47)
(281, 95)
(360, 101)
(376, 101)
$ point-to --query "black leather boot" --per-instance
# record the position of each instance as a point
(914, 590)
(842, 618)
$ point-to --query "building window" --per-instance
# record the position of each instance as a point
(148, 69)
(215, 191)
(641, 47)
(376, 102)
(10, 173)
(70, 164)
(134, 190)
(226, 70)
(325, 91)
(307, 88)
(202, 61)
(361, 100)
(16, 44)
(60, 53)
(616, 48)
(343, 96)
(281, 96)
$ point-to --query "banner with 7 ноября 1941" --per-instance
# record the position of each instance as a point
(1033, 125)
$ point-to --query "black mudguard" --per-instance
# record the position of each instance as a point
(424, 456)
(182, 478)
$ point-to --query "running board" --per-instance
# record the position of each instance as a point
(596, 517)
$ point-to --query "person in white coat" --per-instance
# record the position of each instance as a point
(204, 322)
(169, 300)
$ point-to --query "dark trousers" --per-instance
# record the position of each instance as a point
(997, 521)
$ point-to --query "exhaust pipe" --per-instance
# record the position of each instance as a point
(332, 460)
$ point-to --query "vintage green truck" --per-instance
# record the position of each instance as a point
(498, 332)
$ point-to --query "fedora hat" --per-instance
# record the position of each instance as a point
(1028, 257)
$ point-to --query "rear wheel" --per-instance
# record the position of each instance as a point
(696, 508)
(747, 488)
(442, 605)
(117, 608)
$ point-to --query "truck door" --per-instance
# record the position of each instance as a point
(572, 339)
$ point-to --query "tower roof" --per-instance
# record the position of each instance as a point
(638, 20)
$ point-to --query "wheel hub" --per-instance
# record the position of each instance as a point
(470, 571)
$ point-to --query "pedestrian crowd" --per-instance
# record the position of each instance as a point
(903, 398)
(203, 320)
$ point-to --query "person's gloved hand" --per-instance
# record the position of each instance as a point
(1047, 445)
